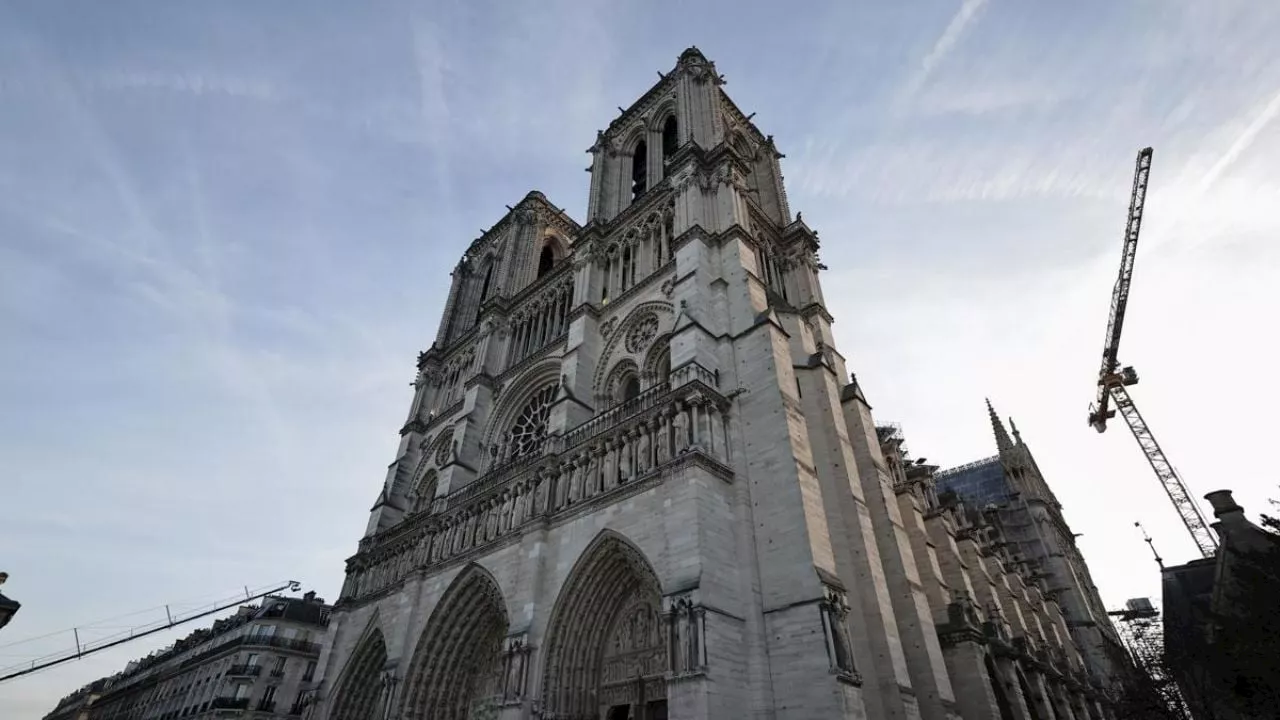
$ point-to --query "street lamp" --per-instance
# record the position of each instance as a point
(7, 607)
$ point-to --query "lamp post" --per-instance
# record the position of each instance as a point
(7, 607)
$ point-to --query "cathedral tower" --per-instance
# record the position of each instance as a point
(635, 481)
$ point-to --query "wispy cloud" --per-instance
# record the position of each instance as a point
(191, 83)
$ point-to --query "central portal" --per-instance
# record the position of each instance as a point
(607, 656)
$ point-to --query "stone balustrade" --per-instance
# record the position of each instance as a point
(576, 470)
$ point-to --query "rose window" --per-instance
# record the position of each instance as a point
(529, 430)
(642, 333)
(444, 447)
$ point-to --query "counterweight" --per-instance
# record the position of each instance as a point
(1112, 381)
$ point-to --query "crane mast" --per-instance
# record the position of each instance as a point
(1113, 380)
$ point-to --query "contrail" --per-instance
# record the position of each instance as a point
(1242, 142)
(946, 41)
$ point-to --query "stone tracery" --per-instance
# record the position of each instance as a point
(529, 431)
(642, 333)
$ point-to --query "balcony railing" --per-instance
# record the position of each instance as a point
(286, 643)
(244, 671)
(230, 703)
(267, 705)
(616, 414)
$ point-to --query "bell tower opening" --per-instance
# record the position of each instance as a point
(639, 170)
(546, 259)
(670, 140)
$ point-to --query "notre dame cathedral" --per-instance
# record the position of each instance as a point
(637, 481)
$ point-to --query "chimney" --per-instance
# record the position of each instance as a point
(1233, 527)
(310, 596)
(1223, 504)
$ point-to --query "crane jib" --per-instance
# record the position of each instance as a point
(1120, 292)
(1112, 380)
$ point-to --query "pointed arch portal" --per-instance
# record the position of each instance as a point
(455, 662)
(360, 691)
(606, 649)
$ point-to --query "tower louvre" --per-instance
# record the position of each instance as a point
(635, 481)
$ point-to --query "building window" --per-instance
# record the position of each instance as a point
(670, 140)
(664, 366)
(631, 388)
(252, 660)
(608, 272)
(628, 267)
(484, 288)
(310, 672)
(425, 493)
(639, 170)
(278, 670)
(546, 259)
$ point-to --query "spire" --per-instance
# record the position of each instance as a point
(1003, 443)
(1017, 437)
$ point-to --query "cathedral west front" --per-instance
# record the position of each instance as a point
(637, 481)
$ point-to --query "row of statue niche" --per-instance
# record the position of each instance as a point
(615, 461)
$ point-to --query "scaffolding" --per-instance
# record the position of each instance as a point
(1141, 630)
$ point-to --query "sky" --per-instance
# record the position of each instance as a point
(226, 230)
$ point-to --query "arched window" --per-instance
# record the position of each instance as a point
(631, 388)
(657, 364)
(425, 492)
(608, 274)
(639, 170)
(626, 267)
(546, 259)
(484, 288)
(670, 141)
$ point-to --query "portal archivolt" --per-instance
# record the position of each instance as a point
(359, 694)
(606, 649)
(454, 666)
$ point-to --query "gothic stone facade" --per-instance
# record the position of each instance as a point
(635, 482)
(1020, 503)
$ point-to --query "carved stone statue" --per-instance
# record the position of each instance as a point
(680, 431)
(643, 449)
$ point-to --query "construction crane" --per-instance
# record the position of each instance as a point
(171, 620)
(1113, 380)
